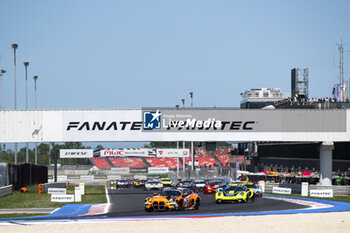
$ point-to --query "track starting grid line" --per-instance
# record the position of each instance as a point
(69, 213)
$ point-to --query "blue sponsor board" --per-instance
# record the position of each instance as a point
(152, 120)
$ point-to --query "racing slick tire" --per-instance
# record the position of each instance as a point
(180, 203)
(218, 201)
(196, 204)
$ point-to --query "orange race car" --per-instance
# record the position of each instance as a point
(173, 199)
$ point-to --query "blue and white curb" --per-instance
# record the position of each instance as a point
(69, 213)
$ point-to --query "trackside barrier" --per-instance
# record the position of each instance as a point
(44, 187)
(6, 190)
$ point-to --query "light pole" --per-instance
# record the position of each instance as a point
(191, 95)
(183, 102)
(26, 64)
(15, 46)
(36, 149)
(2, 72)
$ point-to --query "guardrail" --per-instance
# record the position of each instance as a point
(44, 187)
(6, 190)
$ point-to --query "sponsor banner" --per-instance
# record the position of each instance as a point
(157, 170)
(140, 177)
(60, 178)
(114, 177)
(62, 198)
(57, 191)
(78, 153)
(138, 170)
(77, 194)
(279, 190)
(304, 189)
(120, 170)
(173, 153)
(136, 152)
(321, 193)
(86, 177)
(111, 153)
(82, 188)
(154, 124)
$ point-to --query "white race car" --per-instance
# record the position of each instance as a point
(153, 185)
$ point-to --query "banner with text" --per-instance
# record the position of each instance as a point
(76, 153)
(171, 153)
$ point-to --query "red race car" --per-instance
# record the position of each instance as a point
(212, 185)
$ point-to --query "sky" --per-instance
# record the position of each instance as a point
(132, 54)
(114, 54)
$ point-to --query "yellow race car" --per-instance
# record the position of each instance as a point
(255, 188)
(173, 199)
(139, 183)
(234, 193)
(167, 182)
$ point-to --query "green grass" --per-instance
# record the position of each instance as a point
(19, 215)
(32, 199)
(335, 198)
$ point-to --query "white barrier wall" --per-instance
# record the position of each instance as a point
(128, 125)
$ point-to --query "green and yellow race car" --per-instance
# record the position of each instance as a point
(167, 182)
(235, 194)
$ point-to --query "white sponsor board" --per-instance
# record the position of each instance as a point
(262, 185)
(173, 153)
(78, 153)
(57, 191)
(304, 189)
(280, 190)
(113, 177)
(77, 194)
(82, 188)
(120, 170)
(157, 170)
(61, 178)
(62, 198)
(86, 177)
(139, 152)
(126, 125)
(321, 193)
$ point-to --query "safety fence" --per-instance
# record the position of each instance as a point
(6, 190)
(22, 175)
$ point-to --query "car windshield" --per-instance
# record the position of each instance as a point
(214, 182)
(166, 180)
(250, 186)
(235, 188)
(171, 193)
(199, 181)
(153, 182)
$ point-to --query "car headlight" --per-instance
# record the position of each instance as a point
(242, 194)
(219, 194)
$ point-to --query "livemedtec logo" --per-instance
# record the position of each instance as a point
(152, 120)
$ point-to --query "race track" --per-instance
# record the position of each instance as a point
(130, 203)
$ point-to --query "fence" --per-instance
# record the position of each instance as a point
(6, 190)
(25, 174)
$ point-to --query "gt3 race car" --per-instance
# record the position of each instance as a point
(256, 189)
(153, 185)
(167, 182)
(172, 199)
(212, 185)
(239, 193)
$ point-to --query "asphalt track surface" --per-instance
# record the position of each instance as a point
(130, 203)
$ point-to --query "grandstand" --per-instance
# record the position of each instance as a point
(202, 159)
